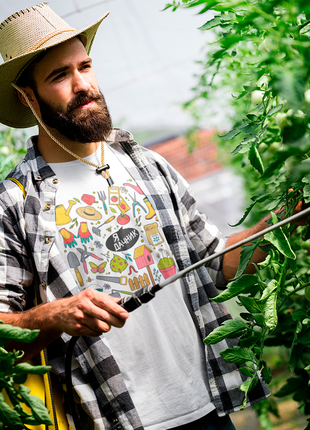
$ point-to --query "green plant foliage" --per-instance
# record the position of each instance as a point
(261, 55)
(12, 149)
(12, 378)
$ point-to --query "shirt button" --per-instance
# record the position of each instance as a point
(47, 240)
(43, 284)
(55, 181)
(48, 206)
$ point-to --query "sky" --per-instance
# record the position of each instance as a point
(144, 57)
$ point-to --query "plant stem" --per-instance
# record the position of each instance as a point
(294, 292)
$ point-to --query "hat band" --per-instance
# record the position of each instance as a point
(48, 37)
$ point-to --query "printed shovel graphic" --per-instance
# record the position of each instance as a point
(96, 230)
(74, 264)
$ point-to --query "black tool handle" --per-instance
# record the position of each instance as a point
(144, 295)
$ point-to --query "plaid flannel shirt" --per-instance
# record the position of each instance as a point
(28, 255)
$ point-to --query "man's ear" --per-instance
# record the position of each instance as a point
(30, 95)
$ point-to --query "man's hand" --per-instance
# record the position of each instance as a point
(231, 259)
(89, 313)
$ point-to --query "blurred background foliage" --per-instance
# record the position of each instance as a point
(12, 149)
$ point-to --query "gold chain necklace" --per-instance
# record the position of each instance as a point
(103, 169)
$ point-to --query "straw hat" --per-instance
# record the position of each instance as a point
(22, 37)
(89, 212)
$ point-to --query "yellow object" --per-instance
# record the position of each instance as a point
(36, 385)
(20, 185)
(62, 215)
(150, 208)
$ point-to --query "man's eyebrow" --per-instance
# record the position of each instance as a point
(64, 68)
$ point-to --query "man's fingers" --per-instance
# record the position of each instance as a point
(100, 311)
(109, 304)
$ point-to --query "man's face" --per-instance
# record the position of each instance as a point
(68, 95)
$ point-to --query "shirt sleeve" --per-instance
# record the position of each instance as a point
(15, 267)
(205, 236)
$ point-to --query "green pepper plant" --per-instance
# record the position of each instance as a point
(261, 55)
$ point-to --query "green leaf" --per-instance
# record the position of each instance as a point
(230, 134)
(228, 328)
(271, 286)
(266, 262)
(266, 374)
(306, 193)
(271, 316)
(304, 338)
(289, 84)
(214, 22)
(240, 95)
(292, 385)
(259, 319)
(299, 315)
(246, 371)
(246, 213)
(256, 199)
(250, 339)
(278, 239)
(27, 368)
(294, 133)
(255, 159)
(280, 157)
(19, 379)
(16, 333)
(247, 386)
(252, 305)
(38, 409)
(245, 258)
(238, 355)
(274, 110)
(9, 416)
(238, 286)
(242, 148)
(295, 355)
(249, 129)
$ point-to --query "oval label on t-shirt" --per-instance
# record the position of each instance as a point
(123, 239)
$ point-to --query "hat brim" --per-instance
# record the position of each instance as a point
(12, 112)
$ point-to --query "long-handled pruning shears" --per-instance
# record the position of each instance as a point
(145, 294)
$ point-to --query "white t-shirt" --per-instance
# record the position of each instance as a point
(112, 239)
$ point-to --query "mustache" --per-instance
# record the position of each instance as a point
(84, 98)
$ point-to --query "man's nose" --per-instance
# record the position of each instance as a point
(80, 83)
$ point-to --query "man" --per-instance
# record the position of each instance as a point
(84, 234)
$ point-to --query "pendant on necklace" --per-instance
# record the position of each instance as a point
(103, 170)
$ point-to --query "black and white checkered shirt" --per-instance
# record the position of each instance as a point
(28, 254)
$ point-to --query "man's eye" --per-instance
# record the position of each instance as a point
(60, 76)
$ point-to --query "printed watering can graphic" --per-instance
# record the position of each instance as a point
(62, 215)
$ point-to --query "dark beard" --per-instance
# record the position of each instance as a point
(84, 126)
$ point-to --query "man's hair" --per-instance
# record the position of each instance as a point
(26, 79)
